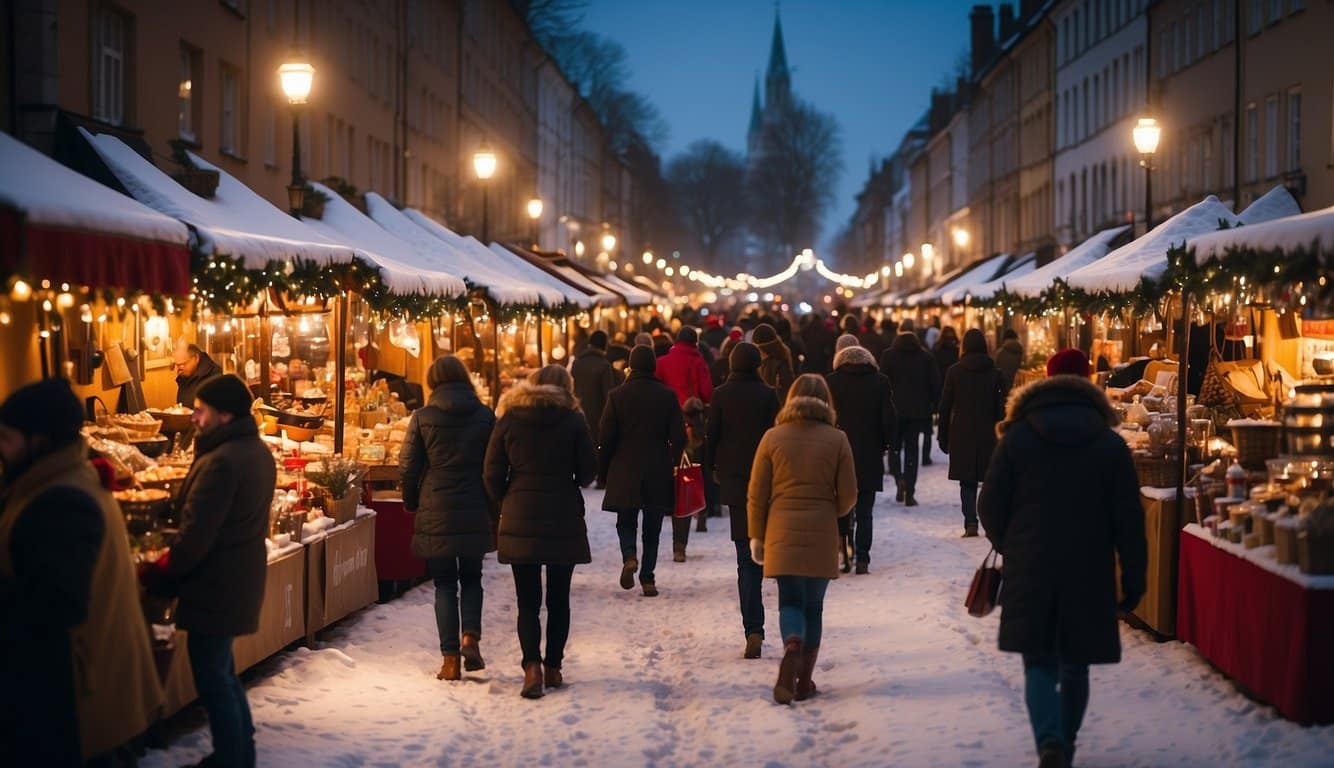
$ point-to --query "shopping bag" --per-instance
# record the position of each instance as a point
(984, 592)
(689, 482)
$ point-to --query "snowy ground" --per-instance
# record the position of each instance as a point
(907, 678)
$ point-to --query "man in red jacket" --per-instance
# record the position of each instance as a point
(684, 370)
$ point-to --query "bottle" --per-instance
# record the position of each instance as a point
(1236, 482)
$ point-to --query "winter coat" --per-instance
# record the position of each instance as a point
(819, 341)
(803, 479)
(872, 342)
(971, 402)
(642, 437)
(684, 370)
(776, 367)
(1060, 502)
(187, 386)
(1009, 359)
(441, 469)
(743, 409)
(718, 371)
(945, 355)
(864, 407)
(539, 456)
(912, 377)
(594, 379)
(218, 561)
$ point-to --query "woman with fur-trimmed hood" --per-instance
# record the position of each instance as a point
(802, 481)
(539, 456)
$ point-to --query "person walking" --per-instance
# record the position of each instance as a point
(775, 359)
(818, 339)
(1009, 357)
(684, 370)
(720, 368)
(641, 439)
(692, 414)
(539, 456)
(870, 338)
(1059, 605)
(945, 352)
(75, 661)
(864, 405)
(440, 466)
(218, 562)
(743, 409)
(913, 380)
(972, 400)
(594, 378)
(803, 479)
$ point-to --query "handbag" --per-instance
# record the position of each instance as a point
(689, 481)
(984, 592)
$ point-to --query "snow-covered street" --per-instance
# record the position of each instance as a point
(906, 677)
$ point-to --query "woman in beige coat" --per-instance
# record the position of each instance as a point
(803, 480)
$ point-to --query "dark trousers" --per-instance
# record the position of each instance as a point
(749, 583)
(681, 530)
(1057, 694)
(528, 590)
(458, 599)
(911, 432)
(627, 524)
(857, 525)
(926, 438)
(223, 698)
(968, 498)
(801, 608)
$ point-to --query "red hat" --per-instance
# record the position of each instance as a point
(735, 334)
(714, 322)
(1069, 362)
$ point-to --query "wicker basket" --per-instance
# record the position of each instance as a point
(145, 428)
(1256, 443)
(1155, 471)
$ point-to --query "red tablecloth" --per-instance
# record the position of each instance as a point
(1269, 633)
(394, 560)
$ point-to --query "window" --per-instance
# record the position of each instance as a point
(1162, 53)
(1097, 99)
(1252, 143)
(1296, 5)
(1178, 47)
(1202, 30)
(350, 154)
(1227, 149)
(227, 141)
(270, 135)
(1257, 19)
(1227, 21)
(110, 29)
(1085, 121)
(1065, 39)
(1275, 10)
(1207, 161)
(186, 119)
(1295, 129)
(1188, 42)
(1271, 137)
(1078, 46)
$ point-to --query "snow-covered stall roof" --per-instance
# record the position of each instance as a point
(970, 275)
(541, 276)
(236, 222)
(634, 296)
(77, 230)
(1082, 255)
(986, 289)
(1289, 233)
(1274, 204)
(597, 295)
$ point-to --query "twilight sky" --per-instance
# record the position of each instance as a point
(871, 63)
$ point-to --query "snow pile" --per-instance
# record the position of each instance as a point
(522, 267)
(980, 272)
(634, 296)
(1290, 233)
(1274, 204)
(1081, 255)
(600, 295)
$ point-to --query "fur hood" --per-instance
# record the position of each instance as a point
(857, 355)
(806, 408)
(1057, 389)
(526, 395)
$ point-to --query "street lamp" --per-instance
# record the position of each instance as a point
(1146, 134)
(535, 215)
(648, 257)
(909, 260)
(608, 242)
(960, 237)
(484, 163)
(296, 76)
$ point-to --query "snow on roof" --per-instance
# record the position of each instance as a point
(986, 289)
(1122, 269)
(540, 276)
(47, 193)
(1274, 204)
(236, 222)
(1289, 233)
(401, 267)
(601, 296)
(1085, 253)
(634, 296)
(966, 277)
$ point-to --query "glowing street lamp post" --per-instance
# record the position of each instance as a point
(1146, 135)
(484, 163)
(296, 76)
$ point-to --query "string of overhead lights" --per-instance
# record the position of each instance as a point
(803, 262)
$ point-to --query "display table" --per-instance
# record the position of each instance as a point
(1268, 626)
(1162, 529)
(340, 572)
(394, 560)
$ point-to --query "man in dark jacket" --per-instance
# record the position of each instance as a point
(642, 437)
(971, 402)
(193, 368)
(684, 368)
(818, 340)
(594, 378)
(864, 407)
(218, 561)
(1010, 357)
(1061, 505)
(743, 408)
(870, 339)
(914, 380)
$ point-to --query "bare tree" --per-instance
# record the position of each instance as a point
(550, 19)
(599, 69)
(709, 190)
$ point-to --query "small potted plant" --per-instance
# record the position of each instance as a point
(201, 181)
(340, 478)
(312, 206)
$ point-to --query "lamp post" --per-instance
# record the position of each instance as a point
(296, 76)
(1146, 134)
(484, 163)
(535, 216)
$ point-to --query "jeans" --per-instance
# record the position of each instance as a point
(223, 698)
(1055, 713)
(528, 590)
(968, 497)
(452, 576)
(626, 526)
(861, 525)
(749, 581)
(911, 432)
(801, 608)
(681, 530)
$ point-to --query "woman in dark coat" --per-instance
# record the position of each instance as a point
(642, 437)
(945, 352)
(441, 470)
(539, 456)
(1061, 505)
(776, 368)
(742, 409)
(914, 380)
(971, 402)
(865, 409)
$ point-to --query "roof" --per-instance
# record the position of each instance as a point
(982, 288)
(537, 274)
(778, 51)
(1081, 255)
(552, 263)
(979, 271)
(1289, 233)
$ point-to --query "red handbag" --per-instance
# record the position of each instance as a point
(984, 592)
(689, 480)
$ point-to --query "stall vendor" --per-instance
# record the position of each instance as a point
(193, 367)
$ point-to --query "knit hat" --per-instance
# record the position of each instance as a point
(845, 341)
(1070, 362)
(226, 393)
(598, 340)
(643, 359)
(745, 358)
(47, 407)
(687, 334)
(764, 333)
(736, 334)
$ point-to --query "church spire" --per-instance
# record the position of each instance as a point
(756, 110)
(778, 80)
(777, 51)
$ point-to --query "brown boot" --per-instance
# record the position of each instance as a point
(701, 522)
(471, 652)
(754, 643)
(532, 680)
(551, 677)
(449, 669)
(650, 589)
(628, 569)
(789, 669)
(678, 554)
(805, 685)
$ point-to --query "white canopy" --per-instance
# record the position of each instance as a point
(634, 296)
(979, 272)
(541, 276)
(1085, 253)
(1274, 204)
(1289, 233)
(599, 293)
(985, 289)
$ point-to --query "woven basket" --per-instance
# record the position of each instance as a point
(1256, 443)
(1155, 471)
(145, 428)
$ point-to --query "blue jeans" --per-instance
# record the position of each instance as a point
(627, 524)
(968, 498)
(452, 576)
(749, 581)
(1057, 693)
(223, 698)
(801, 608)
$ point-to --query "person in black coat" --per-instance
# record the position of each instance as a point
(871, 339)
(594, 378)
(971, 402)
(864, 408)
(913, 379)
(1060, 503)
(539, 456)
(741, 411)
(642, 437)
(441, 470)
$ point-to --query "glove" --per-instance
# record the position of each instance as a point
(1129, 602)
(757, 551)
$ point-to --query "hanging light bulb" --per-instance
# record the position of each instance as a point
(20, 291)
